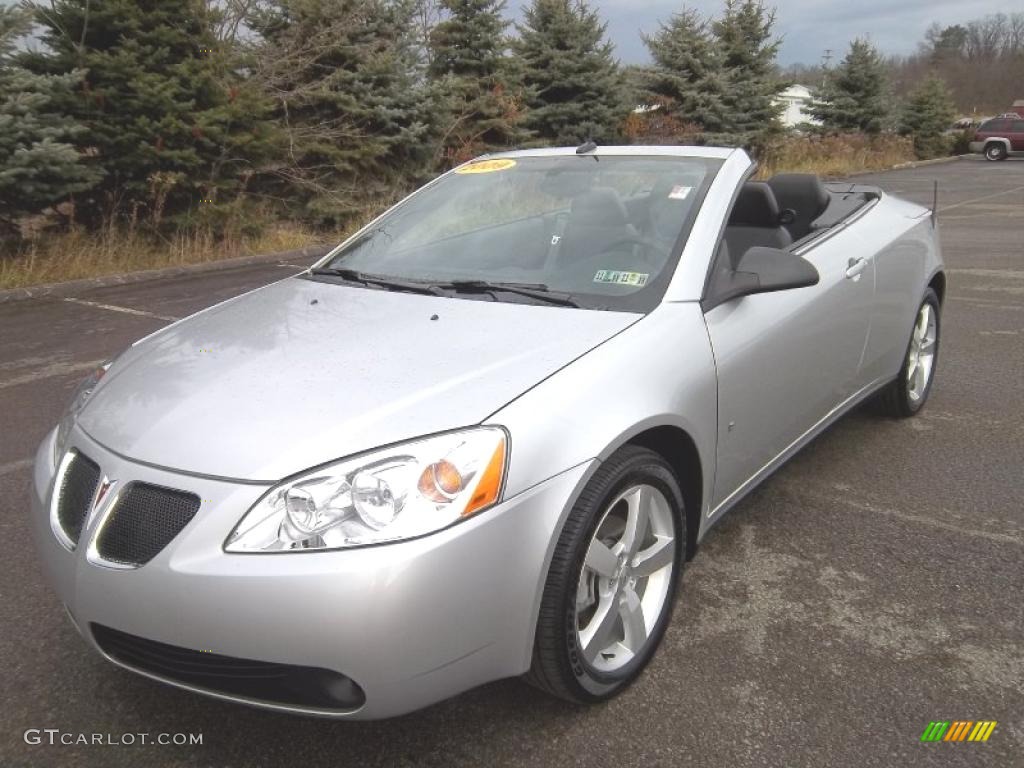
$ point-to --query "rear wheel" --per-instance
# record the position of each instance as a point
(907, 394)
(995, 151)
(612, 581)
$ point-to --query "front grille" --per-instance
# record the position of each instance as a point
(77, 489)
(261, 681)
(143, 521)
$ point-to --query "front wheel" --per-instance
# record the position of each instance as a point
(612, 580)
(907, 394)
(995, 151)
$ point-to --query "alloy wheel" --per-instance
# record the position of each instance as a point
(625, 579)
(921, 356)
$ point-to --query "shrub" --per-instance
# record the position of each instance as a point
(835, 155)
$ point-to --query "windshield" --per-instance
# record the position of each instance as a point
(601, 233)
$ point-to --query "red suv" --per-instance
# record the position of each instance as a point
(1000, 137)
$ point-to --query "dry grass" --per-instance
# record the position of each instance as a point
(835, 156)
(70, 256)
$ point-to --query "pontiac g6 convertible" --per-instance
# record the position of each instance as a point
(480, 438)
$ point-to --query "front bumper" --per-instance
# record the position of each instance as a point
(976, 146)
(411, 623)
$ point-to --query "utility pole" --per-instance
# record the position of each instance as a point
(824, 66)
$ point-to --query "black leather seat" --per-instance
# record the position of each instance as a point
(597, 221)
(755, 220)
(804, 195)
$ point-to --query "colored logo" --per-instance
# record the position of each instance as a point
(958, 730)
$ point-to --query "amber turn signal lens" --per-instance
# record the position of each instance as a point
(489, 487)
(440, 481)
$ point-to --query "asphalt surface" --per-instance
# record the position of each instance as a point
(872, 585)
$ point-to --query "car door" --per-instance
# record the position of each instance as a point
(1017, 136)
(786, 359)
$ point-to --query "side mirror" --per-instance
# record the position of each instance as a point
(763, 270)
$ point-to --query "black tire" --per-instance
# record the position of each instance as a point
(895, 400)
(559, 667)
(995, 151)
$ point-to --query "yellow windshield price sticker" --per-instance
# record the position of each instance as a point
(487, 166)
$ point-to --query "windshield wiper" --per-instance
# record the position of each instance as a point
(391, 284)
(532, 290)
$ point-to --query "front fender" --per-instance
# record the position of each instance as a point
(658, 372)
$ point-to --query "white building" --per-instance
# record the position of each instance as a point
(794, 104)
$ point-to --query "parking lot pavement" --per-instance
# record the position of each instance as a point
(872, 585)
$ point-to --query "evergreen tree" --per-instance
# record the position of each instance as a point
(359, 119)
(468, 59)
(927, 116)
(854, 96)
(684, 82)
(570, 76)
(746, 53)
(157, 119)
(39, 166)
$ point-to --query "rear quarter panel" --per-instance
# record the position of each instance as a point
(907, 255)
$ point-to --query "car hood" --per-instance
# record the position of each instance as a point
(303, 372)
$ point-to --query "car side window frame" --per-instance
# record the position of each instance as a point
(707, 296)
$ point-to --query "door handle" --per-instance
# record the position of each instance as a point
(854, 267)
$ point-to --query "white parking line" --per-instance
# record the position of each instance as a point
(14, 466)
(49, 371)
(979, 199)
(115, 308)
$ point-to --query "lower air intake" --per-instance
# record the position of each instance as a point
(289, 685)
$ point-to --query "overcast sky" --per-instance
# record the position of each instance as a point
(807, 27)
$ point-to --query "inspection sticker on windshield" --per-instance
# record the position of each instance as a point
(621, 278)
(487, 166)
(679, 193)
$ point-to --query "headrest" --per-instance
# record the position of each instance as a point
(803, 192)
(755, 206)
(599, 206)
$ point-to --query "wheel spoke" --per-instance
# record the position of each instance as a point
(655, 557)
(597, 635)
(911, 373)
(601, 559)
(927, 344)
(919, 381)
(639, 503)
(922, 322)
(633, 624)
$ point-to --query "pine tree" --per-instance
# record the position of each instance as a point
(746, 53)
(157, 119)
(927, 115)
(468, 60)
(684, 82)
(570, 76)
(39, 167)
(854, 97)
(359, 119)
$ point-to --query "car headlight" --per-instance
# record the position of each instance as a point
(395, 493)
(82, 394)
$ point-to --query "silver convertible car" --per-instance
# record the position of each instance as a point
(480, 438)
